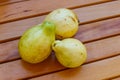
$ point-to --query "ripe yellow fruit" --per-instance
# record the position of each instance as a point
(35, 44)
(66, 22)
(70, 52)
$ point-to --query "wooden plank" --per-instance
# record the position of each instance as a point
(100, 70)
(103, 48)
(85, 33)
(2, 1)
(9, 51)
(5, 2)
(98, 12)
(14, 30)
(98, 30)
(35, 8)
(118, 78)
(96, 50)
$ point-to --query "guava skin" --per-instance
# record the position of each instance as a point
(35, 44)
(70, 52)
(66, 22)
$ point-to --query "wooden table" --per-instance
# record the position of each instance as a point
(99, 30)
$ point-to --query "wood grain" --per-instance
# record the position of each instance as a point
(98, 12)
(98, 30)
(86, 33)
(10, 31)
(102, 39)
(118, 78)
(85, 14)
(6, 2)
(100, 70)
(32, 8)
(9, 51)
(96, 50)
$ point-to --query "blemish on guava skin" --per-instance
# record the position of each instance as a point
(81, 53)
(58, 12)
(78, 21)
(69, 63)
(72, 18)
(54, 44)
(76, 45)
(65, 19)
(21, 45)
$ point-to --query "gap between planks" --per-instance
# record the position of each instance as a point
(116, 78)
(86, 33)
(25, 70)
(87, 63)
(110, 78)
(108, 67)
(84, 16)
(28, 12)
(18, 31)
(9, 2)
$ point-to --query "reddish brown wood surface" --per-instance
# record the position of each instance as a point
(35, 8)
(19, 69)
(85, 14)
(99, 30)
(6, 2)
(9, 1)
(100, 70)
(118, 78)
(86, 33)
